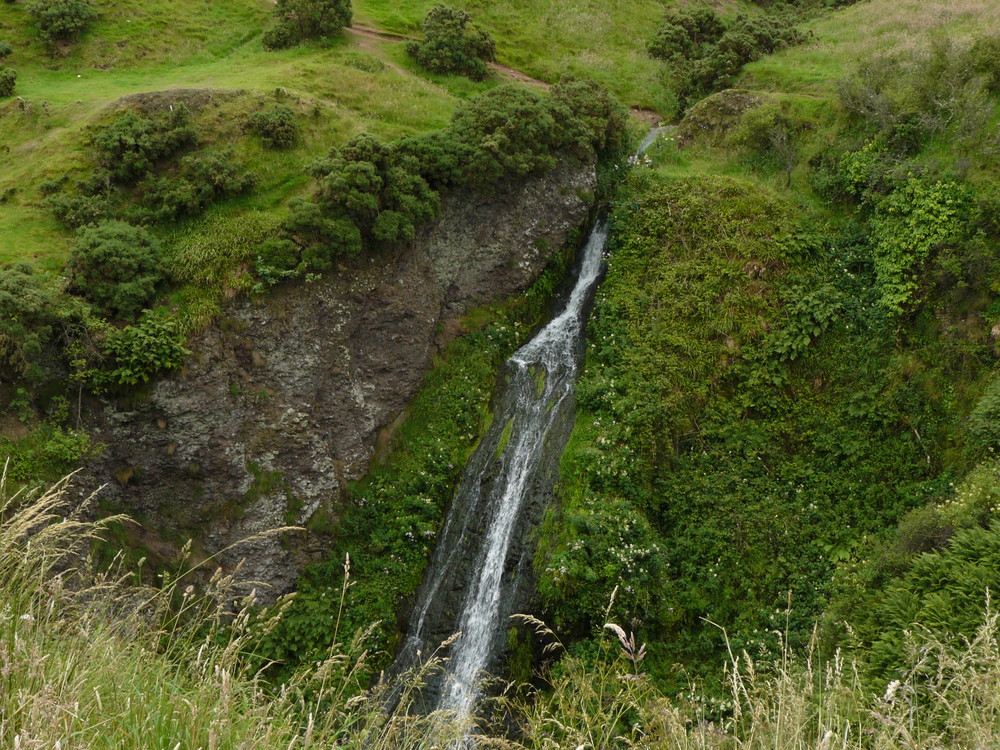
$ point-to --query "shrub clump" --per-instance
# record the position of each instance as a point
(299, 20)
(115, 266)
(453, 44)
(376, 192)
(61, 20)
(8, 77)
(8, 81)
(276, 126)
(31, 309)
(202, 179)
(129, 146)
(707, 55)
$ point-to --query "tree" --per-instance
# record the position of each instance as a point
(306, 19)
(452, 44)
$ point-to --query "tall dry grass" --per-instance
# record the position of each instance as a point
(89, 660)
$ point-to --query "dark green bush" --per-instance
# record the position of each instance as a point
(203, 179)
(8, 80)
(707, 55)
(323, 237)
(276, 126)
(116, 266)
(453, 44)
(131, 144)
(61, 20)
(31, 308)
(377, 187)
(5, 50)
(984, 421)
(76, 210)
(507, 131)
(306, 19)
(685, 35)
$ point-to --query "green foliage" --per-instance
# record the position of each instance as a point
(131, 144)
(299, 20)
(377, 187)
(912, 222)
(201, 179)
(61, 20)
(390, 523)
(984, 421)
(116, 266)
(706, 55)
(453, 44)
(276, 126)
(32, 308)
(686, 35)
(5, 50)
(742, 404)
(8, 81)
(109, 357)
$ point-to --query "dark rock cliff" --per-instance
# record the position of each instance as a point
(283, 399)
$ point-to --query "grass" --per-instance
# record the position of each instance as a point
(90, 660)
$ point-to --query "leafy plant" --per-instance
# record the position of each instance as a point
(453, 44)
(31, 310)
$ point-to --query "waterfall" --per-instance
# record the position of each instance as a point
(483, 548)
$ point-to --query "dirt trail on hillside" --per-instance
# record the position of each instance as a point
(362, 32)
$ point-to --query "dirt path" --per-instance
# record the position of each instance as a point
(363, 34)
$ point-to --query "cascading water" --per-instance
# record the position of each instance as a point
(482, 552)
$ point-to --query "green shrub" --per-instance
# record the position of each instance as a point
(203, 179)
(8, 81)
(684, 35)
(76, 210)
(453, 44)
(61, 20)
(913, 221)
(707, 55)
(136, 353)
(984, 421)
(276, 126)
(306, 19)
(31, 310)
(131, 144)
(116, 266)
(377, 187)
(5, 50)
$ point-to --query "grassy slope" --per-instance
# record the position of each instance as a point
(714, 518)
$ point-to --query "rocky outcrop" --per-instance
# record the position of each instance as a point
(281, 402)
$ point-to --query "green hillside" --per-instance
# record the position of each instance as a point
(782, 481)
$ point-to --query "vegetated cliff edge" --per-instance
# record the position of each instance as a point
(283, 399)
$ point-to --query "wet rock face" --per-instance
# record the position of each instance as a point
(282, 400)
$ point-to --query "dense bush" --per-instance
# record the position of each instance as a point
(371, 191)
(453, 44)
(8, 81)
(684, 35)
(61, 20)
(306, 19)
(201, 179)
(130, 145)
(31, 311)
(116, 266)
(706, 55)
(376, 186)
(276, 126)
(135, 353)
(5, 50)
